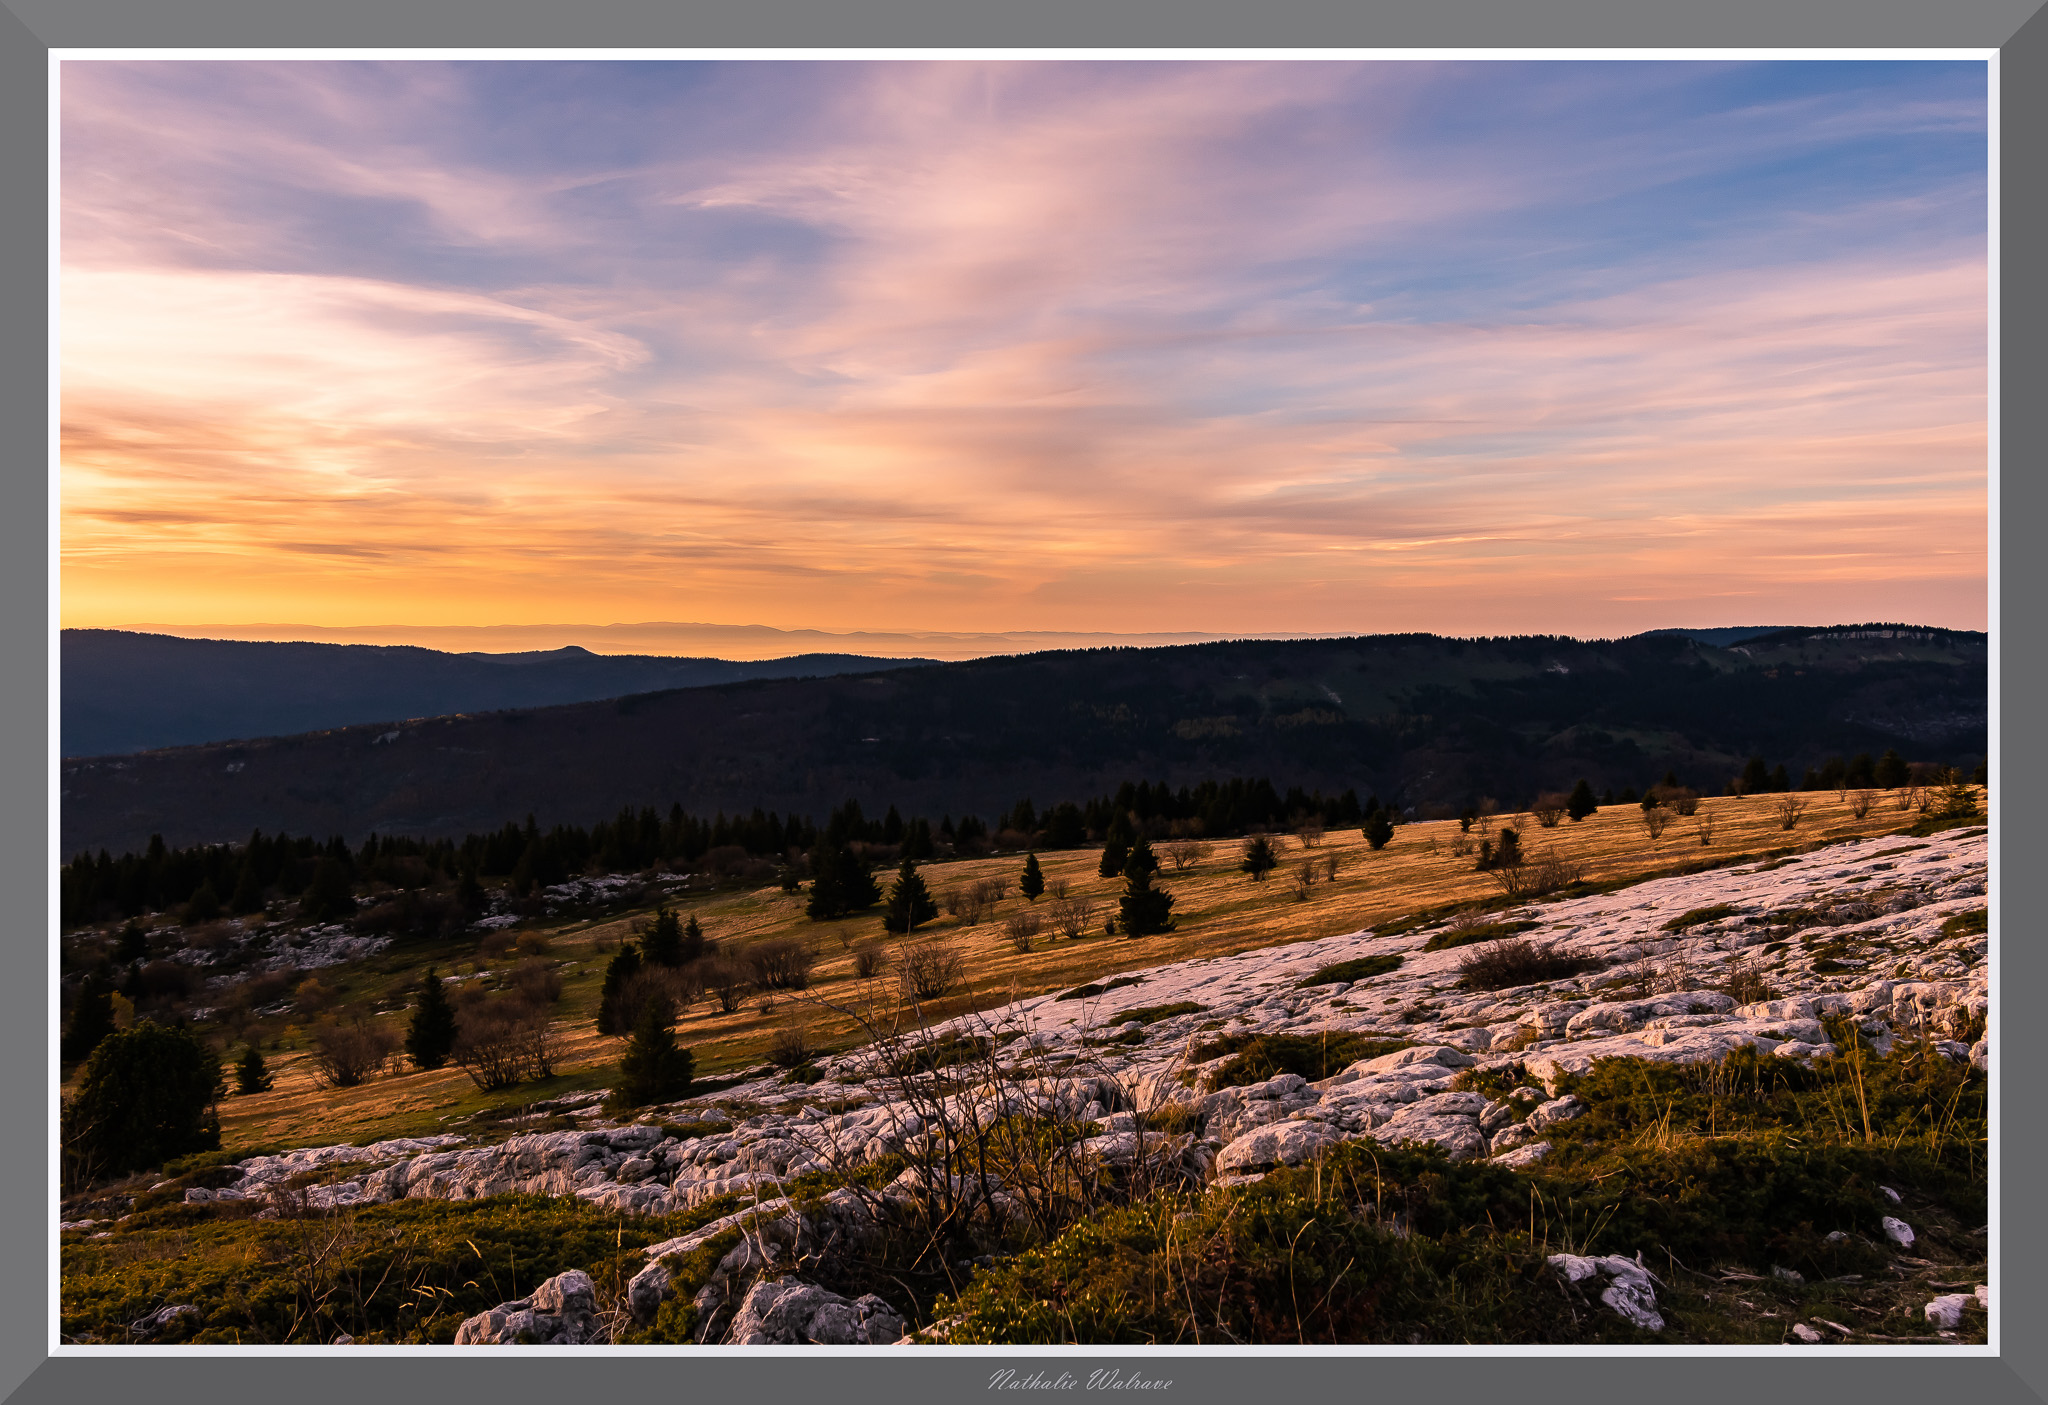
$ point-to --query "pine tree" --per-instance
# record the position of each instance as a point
(92, 1020)
(1259, 859)
(654, 1069)
(1892, 771)
(1781, 780)
(1113, 854)
(469, 894)
(1144, 909)
(133, 945)
(1032, 881)
(329, 896)
(252, 1077)
(621, 969)
(248, 894)
(693, 940)
(1141, 859)
(910, 902)
(430, 1037)
(663, 944)
(1378, 830)
(843, 885)
(202, 906)
(1756, 777)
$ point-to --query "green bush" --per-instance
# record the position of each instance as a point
(1476, 932)
(1701, 914)
(1257, 1057)
(1087, 992)
(1362, 969)
(147, 1094)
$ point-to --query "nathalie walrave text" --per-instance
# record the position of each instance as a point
(1104, 1379)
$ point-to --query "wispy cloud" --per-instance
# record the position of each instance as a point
(1100, 346)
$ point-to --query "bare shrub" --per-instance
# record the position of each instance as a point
(674, 991)
(1705, 825)
(1460, 845)
(1788, 810)
(1305, 875)
(1683, 799)
(1656, 821)
(347, 1053)
(310, 998)
(537, 981)
(781, 964)
(1549, 874)
(726, 981)
(1020, 928)
(1057, 887)
(1745, 984)
(1906, 797)
(869, 961)
(1550, 807)
(502, 1041)
(1184, 854)
(1860, 802)
(532, 944)
(1500, 965)
(1310, 833)
(1070, 916)
(930, 969)
(494, 945)
(1483, 820)
(791, 1047)
(1331, 862)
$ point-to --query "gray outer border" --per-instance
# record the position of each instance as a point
(28, 28)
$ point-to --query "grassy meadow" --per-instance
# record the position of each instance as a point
(1218, 910)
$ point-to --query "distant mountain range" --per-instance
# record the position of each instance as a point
(1415, 718)
(124, 691)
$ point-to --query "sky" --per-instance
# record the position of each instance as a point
(1107, 347)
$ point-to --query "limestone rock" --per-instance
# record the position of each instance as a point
(1524, 1156)
(1946, 1311)
(787, 1312)
(1899, 1232)
(561, 1312)
(1281, 1144)
(1630, 1290)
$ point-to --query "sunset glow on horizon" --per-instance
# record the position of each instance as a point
(1306, 347)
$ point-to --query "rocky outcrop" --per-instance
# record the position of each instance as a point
(786, 1312)
(561, 1312)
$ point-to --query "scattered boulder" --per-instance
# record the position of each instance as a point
(787, 1312)
(1946, 1311)
(1804, 1333)
(1899, 1232)
(1630, 1289)
(1276, 1144)
(561, 1312)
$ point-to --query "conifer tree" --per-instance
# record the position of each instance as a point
(654, 1069)
(329, 895)
(663, 944)
(1259, 859)
(469, 893)
(1892, 771)
(1141, 859)
(133, 945)
(910, 902)
(92, 1020)
(617, 974)
(430, 1038)
(1117, 841)
(202, 906)
(248, 894)
(692, 946)
(1144, 909)
(1032, 881)
(1378, 829)
(1756, 777)
(250, 1074)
